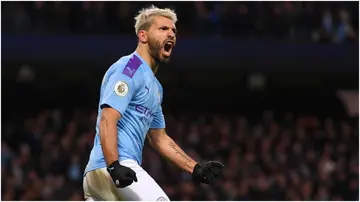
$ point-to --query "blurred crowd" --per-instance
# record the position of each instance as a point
(291, 158)
(287, 157)
(327, 22)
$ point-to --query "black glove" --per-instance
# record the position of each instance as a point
(207, 172)
(121, 175)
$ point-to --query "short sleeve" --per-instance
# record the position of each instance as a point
(159, 120)
(118, 92)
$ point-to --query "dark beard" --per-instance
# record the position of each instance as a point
(155, 51)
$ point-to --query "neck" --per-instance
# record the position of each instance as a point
(144, 53)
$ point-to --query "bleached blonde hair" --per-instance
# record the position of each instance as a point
(145, 16)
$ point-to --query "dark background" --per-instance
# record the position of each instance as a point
(252, 84)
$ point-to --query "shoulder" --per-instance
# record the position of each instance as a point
(129, 67)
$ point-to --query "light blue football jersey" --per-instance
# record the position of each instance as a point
(130, 87)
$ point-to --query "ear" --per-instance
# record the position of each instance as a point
(142, 36)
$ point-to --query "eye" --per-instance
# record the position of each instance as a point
(164, 28)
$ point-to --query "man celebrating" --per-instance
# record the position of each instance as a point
(129, 109)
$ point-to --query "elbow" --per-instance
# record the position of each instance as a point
(102, 124)
(154, 142)
(157, 140)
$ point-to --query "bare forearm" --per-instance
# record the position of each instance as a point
(169, 149)
(108, 139)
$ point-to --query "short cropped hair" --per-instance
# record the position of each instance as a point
(145, 16)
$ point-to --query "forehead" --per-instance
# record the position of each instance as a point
(159, 21)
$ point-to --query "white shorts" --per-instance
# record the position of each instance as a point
(99, 186)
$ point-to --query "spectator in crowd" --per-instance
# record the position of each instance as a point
(294, 21)
(301, 158)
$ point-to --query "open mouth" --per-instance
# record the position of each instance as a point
(168, 46)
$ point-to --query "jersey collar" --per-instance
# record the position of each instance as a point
(142, 60)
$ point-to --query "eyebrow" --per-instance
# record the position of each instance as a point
(173, 29)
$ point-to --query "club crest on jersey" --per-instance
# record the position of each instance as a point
(121, 88)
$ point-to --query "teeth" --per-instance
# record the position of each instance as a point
(168, 46)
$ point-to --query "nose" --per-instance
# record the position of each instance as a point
(171, 34)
